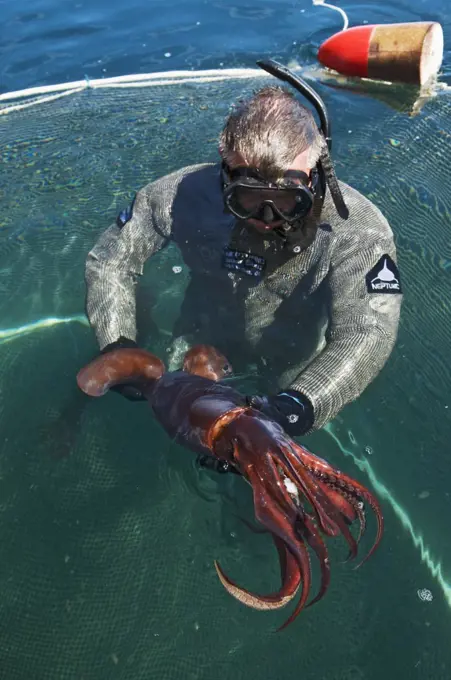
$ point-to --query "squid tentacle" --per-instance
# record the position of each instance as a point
(310, 533)
(304, 525)
(351, 485)
(290, 574)
(360, 491)
(268, 515)
(351, 498)
(290, 586)
(319, 500)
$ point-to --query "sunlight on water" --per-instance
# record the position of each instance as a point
(8, 334)
(434, 567)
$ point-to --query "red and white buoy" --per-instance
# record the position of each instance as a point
(405, 53)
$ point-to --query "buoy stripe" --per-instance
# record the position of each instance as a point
(347, 52)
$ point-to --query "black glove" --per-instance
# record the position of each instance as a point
(128, 391)
(291, 409)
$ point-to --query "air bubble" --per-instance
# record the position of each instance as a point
(425, 595)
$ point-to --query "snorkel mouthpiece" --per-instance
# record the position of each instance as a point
(268, 215)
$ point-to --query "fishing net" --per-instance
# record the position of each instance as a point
(109, 531)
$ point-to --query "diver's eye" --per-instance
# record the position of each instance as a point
(226, 368)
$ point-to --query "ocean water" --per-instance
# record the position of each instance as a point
(109, 530)
(45, 42)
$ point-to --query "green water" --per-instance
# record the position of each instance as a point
(108, 530)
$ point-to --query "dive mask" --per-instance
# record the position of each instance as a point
(247, 195)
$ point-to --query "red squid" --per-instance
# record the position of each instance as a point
(298, 497)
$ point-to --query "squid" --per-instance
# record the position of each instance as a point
(299, 498)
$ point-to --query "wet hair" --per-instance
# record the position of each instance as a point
(269, 130)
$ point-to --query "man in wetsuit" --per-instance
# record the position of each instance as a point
(287, 265)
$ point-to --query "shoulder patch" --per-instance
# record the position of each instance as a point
(125, 215)
(384, 277)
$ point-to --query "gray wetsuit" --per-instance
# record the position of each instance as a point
(322, 320)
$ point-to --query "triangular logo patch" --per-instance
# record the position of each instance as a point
(384, 277)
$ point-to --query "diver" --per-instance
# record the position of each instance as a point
(289, 268)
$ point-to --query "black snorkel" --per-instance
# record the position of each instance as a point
(325, 166)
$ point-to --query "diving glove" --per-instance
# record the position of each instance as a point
(128, 391)
(291, 409)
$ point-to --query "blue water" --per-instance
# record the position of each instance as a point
(108, 530)
(44, 42)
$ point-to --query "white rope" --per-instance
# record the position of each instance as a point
(206, 79)
(41, 100)
(135, 80)
(139, 78)
(337, 9)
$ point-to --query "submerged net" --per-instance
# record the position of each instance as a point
(109, 531)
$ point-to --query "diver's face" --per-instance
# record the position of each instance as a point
(299, 163)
